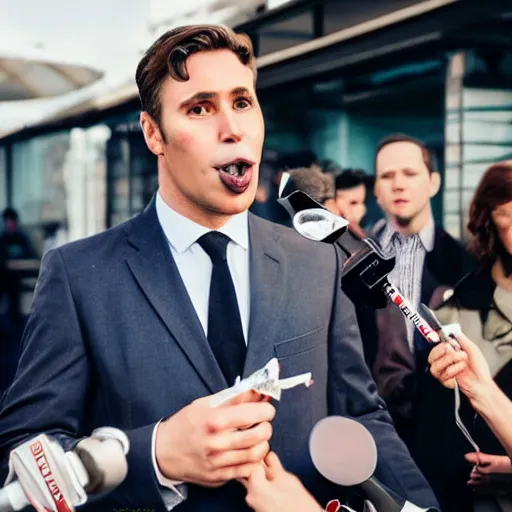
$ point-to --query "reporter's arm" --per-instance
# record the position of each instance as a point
(496, 409)
(469, 367)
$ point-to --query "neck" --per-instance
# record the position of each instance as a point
(207, 218)
(500, 277)
(415, 224)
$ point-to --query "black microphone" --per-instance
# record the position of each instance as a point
(344, 452)
(366, 269)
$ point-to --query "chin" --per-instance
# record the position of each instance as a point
(237, 205)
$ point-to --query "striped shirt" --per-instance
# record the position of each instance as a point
(410, 252)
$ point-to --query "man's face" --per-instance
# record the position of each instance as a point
(404, 185)
(350, 202)
(212, 139)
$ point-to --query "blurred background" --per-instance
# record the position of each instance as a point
(335, 76)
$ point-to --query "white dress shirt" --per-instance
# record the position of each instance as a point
(195, 268)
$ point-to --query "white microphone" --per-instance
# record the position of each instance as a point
(344, 452)
(45, 477)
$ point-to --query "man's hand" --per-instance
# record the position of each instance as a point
(468, 366)
(270, 488)
(210, 446)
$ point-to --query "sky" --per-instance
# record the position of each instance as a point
(105, 34)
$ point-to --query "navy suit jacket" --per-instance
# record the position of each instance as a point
(113, 339)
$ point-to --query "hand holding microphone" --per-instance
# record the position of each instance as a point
(45, 477)
(468, 366)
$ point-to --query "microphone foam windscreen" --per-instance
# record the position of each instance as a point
(343, 450)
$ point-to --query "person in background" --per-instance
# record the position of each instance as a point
(482, 304)
(14, 245)
(426, 257)
(351, 198)
(316, 184)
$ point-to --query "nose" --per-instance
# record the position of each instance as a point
(229, 129)
(398, 182)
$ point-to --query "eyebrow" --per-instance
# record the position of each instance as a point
(206, 95)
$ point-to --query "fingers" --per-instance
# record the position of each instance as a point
(257, 477)
(487, 464)
(474, 457)
(273, 466)
(247, 397)
(453, 370)
(466, 344)
(239, 439)
(437, 352)
(442, 363)
(253, 455)
(222, 475)
(240, 416)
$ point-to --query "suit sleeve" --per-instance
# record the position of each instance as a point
(352, 393)
(51, 389)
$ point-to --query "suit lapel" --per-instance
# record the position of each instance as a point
(267, 285)
(155, 270)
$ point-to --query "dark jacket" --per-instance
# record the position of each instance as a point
(397, 370)
(113, 339)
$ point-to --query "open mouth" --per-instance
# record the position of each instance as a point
(236, 168)
(236, 175)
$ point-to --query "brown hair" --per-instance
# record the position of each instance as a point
(495, 189)
(428, 156)
(169, 53)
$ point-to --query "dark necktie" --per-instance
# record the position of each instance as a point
(225, 334)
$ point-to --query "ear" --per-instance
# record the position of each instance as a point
(152, 134)
(435, 183)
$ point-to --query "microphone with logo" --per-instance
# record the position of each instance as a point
(344, 452)
(42, 475)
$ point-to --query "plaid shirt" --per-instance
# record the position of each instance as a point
(410, 254)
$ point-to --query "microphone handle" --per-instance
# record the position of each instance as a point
(379, 497)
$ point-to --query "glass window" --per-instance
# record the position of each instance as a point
(132, 170)
(38, 187)
(342, 117)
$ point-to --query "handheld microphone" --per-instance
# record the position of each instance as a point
(345, 453)
(366, 269)
(51, 480)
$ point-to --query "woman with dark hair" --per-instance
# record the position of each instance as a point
(482, 304)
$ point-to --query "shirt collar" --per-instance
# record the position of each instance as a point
(182, 232)
(427, 235)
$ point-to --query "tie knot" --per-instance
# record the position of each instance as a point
(215, 244)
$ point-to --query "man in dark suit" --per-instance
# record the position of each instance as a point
(426, 257)
(145, 321)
